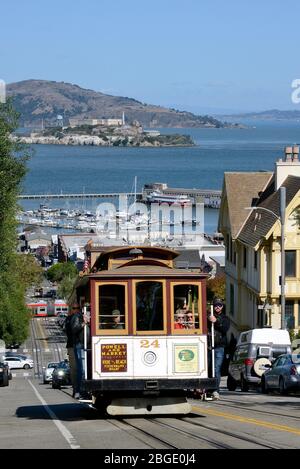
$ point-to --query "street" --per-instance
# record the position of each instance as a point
(33, 415)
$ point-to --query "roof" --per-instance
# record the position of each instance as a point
(242, 190)
(37, 236)
(146, 271)
(188, 258)
(220, 260)
(260, 222)
(71, 240)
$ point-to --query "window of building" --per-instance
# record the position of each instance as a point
(290, 263)
(227, 247)
(244, 257)
(112, 308)
(231, 299)
(255, 259)
(186, 307)
(289, 314)
(149, 306)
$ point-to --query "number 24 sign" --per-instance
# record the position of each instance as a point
(144, 343)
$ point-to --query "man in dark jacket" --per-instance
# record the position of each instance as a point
(70, 348)
(77, 325)
(221, 325)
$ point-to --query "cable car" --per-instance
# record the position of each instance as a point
(148, 334)
(38, 309)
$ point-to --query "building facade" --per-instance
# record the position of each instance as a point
(253, 245)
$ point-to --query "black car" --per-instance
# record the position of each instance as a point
(61, 375)
(5, 374)
(283, 375)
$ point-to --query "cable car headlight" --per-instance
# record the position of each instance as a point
(150, 358)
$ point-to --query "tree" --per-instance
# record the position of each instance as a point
(64, 273)
(216, 287)
(57, 272)
(14, 318)
(29, 271)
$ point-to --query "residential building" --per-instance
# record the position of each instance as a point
(253, 245)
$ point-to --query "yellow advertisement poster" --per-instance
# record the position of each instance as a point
(186, 358)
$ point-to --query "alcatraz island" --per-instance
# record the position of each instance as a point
(104, 132)
(66, 114)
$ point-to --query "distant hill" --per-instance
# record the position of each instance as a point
(272, 114)
(42, 99)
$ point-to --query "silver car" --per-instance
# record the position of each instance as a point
(47, 373)
(283, 375)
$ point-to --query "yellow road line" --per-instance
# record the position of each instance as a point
(238, 418)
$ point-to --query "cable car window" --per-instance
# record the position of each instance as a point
(186, 306)
(112, 307)
(149, 306)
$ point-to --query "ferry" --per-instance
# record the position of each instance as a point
(160, 197)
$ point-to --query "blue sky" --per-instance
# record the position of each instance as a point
(199, 55)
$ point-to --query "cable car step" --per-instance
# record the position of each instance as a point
(147, 406)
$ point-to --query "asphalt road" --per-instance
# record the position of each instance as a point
(33, 415)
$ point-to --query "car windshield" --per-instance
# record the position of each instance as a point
(63, 365)
(52, 365)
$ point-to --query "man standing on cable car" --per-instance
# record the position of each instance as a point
(221, 325)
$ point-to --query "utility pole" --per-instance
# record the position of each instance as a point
(282, 220)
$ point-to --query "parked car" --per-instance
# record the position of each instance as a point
(255, 349)
(283, 375)
(18, 362)
(61, 375)
(47, 372)
(13, 345)
(5, 374)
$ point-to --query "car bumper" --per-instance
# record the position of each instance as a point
(143, 386)
(293, 383)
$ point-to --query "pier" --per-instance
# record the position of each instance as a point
(210, 197)
(76, 196)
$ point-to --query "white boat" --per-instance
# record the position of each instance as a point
(160, 197)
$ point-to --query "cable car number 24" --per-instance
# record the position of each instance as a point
(144, 343)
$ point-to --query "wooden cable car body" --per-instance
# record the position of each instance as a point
(151, 357)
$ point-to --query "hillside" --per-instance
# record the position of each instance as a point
(41, 99)
(272, 114)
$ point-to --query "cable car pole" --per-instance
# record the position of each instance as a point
(212, 343)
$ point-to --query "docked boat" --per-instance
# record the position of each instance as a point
(160, 197)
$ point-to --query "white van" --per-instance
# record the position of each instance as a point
(255, 349)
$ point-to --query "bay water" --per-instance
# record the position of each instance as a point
(88, 169)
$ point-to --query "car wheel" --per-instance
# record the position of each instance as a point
(231, 383)
(282, 388)
(244, 385)
(26, 366)
(101, 405)
(55, 386)
(264, 387)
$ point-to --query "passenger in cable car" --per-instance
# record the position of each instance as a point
(179, 319)
(190, 323)
(116, 317)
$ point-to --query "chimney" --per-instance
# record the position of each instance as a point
(295, 153)
(288, 153)
(289, 166)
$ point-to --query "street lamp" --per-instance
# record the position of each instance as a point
(282, 222)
